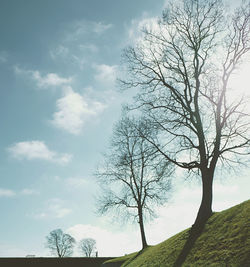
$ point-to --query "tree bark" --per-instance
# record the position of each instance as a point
(205, 210)
(143, 236)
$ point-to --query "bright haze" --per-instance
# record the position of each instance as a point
(59, 61)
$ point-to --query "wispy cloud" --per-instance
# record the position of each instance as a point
(73, 54)
(11, 193)
(77, 44)
(89, 48)
(29, 192)
(43, 81)
(100, 27)
(54, 208)
(59, 51)
(31, 150)
(105, 73)
(80, 28)
(7, 193)
(75, 182)
(3, 56)
(134, 29)
(73, 110)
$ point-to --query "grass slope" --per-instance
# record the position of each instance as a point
(225, 241)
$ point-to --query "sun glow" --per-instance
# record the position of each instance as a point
(240, 81)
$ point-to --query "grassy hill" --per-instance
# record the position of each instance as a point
(225, 241)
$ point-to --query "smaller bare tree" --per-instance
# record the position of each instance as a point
(133, 177)
(60, 244)
(88, 247)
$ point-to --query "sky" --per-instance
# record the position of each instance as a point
(59, 61)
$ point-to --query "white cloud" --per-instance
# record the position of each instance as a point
(108, 243)
(6, 193)
(71, 54)
(75, 182)
(60, 51)
(11, 193)
(89, 47)
(3, 56)
(80, 28)
(105, 73)
(74, 46)
(231, 191)
(54, 208)
(43, 81)
(29, 192)
(100, 27)
(32, 150)
(170, 216)
(41, 215)
(134, 30)
(76, 53)
(59, 211)
(51, 79)
(239, 82)
(73, 110)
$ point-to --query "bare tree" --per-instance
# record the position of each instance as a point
(60, 244)
(183, 68)
(88, 247)
(133, 178)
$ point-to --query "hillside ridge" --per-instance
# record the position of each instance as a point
(224, 241)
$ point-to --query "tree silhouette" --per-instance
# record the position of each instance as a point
(133, 178)
(60, 244)
(87, 246)
(183, 66)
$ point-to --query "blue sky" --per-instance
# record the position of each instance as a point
(58, 64)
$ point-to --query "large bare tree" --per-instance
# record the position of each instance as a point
(183, 66)
(133, 178)
(60, 244)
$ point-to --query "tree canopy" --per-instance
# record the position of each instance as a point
(133, 177)
(183, 66)
(60, 244)
(87, 246)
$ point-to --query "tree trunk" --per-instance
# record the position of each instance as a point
(143, 236)
(205, 210)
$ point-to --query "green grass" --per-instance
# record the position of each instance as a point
(121, 260)
(225, 241)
